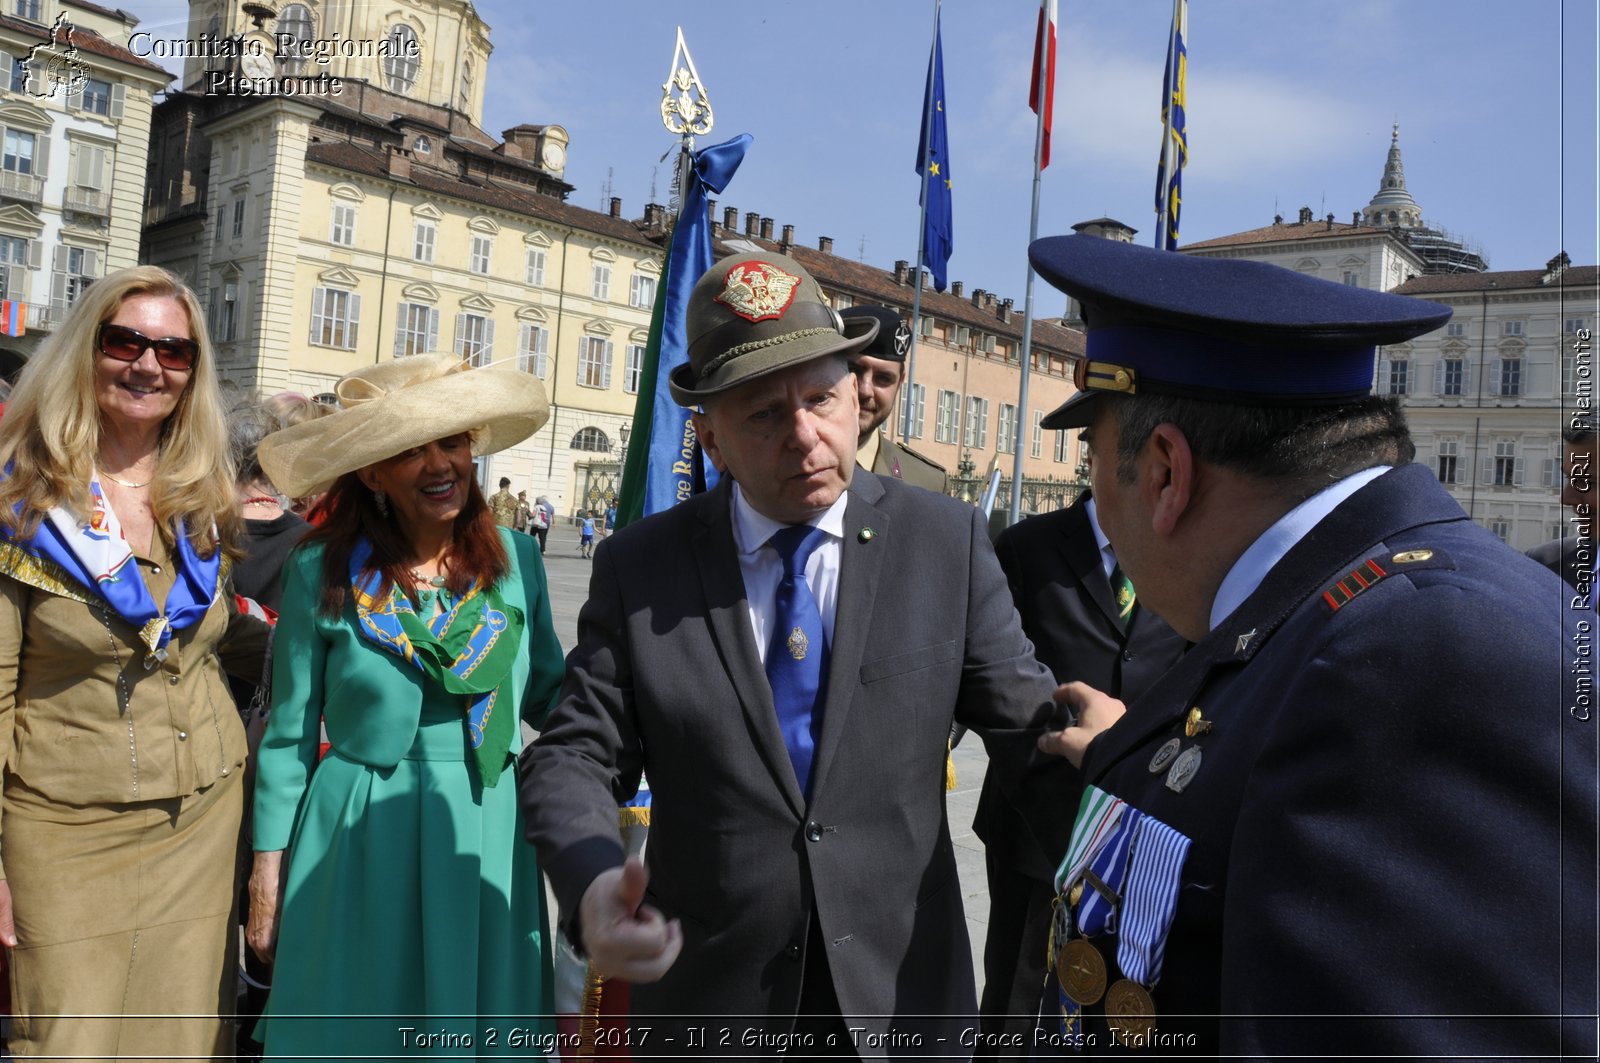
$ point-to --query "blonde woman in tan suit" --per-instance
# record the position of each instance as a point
(124, 753)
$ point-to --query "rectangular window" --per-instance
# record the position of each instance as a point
(1063, 448)
(642, 291)
(335, 318)
(1454, 377)
(975, 432)
(17, 156)
(947, 416)
(1505, 463)
(97, 96)
(1352, 279)
(533, 273)
(482, 248)
(533, 350)
(19, 73)
(422, 241)
(228, 326)
(238, 218)
(1576, 325)
(222, 224)
(475, 338)
(1399, 374)
(632, 367)
(1447, 461)
(601, 288)
(416, 331)
(342, 229)
(1510, 328)
(1510, 377)
(28, 9)
(1038, 434)
(916, 395)
(1501, 529)
(1456, 329)
(1007, 429)
(79, 274)
(13, 251)
(594, 362)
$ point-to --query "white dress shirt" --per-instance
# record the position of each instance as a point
(763, 570)
(1254, 564)
(1108, 556)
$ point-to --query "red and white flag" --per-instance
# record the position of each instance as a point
(1044, 55)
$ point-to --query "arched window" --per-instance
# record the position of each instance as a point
(591, 439)
(466, 85)
(296, 22)
(401, 65)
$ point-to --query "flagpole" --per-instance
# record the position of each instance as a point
(922, 234)
(1033, 234)
(1170, 82)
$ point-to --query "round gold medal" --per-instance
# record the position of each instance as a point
(1130, 1010)
(1082, 972)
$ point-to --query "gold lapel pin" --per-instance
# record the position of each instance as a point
(1196, 724)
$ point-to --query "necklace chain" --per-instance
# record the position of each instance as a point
(124, 483)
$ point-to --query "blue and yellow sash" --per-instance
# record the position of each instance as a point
(468, 650)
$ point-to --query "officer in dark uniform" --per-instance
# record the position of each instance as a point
(1083, 617)
(880, 369)
(1358, 817)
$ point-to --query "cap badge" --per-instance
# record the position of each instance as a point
(902, 339)
(758, 291)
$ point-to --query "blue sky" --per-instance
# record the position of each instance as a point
(1290, 105)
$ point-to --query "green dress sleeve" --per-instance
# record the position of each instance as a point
(289, 749)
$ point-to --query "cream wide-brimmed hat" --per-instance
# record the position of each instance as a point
(391, 407)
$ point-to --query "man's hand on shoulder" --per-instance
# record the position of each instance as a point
(1092, 712)
(624, 937)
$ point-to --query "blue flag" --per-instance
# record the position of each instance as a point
(933, 155)
(1174, 145)
(663, 463)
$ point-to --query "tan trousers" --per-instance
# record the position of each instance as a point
(126, 930)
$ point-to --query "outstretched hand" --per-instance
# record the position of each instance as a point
(624, 937)
(1093, 712)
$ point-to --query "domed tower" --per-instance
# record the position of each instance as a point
(435, 52)
(1393, 207)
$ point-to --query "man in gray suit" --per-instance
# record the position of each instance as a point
(800, 862)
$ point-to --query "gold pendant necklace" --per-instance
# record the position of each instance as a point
(124, 483)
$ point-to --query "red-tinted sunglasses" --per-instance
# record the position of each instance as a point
(128, 345)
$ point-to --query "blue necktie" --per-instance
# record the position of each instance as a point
(797, 654)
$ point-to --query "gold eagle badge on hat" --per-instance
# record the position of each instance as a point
(758, 291)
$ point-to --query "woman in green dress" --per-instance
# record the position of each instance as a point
(391, 879)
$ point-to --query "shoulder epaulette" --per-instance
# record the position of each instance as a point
(1376, 569)
(929, 462)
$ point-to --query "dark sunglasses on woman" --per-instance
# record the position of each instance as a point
(128, 345)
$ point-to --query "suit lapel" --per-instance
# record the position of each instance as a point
(1082, 554)
(728, 611)
(861, 560)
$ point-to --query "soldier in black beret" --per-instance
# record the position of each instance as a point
(1358, 816)
(880, 369)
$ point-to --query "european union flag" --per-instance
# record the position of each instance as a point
(1175, 130)
(933, 155)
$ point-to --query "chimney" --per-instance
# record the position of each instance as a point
(1330, 219)
(653, 214)
(616, 206)
(1355, 217)
(711, 211)
(1555, 268)
(902, 272)
(399, 164)
(766, 228)
(788, 236)
(977, 297)
(752, 222)
(988, 300)
(955, 289)
(1277, 219)
(1305, 215)
(730, 218)
(825, 244)
(1005, 310)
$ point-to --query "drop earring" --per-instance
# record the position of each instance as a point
(381, 500)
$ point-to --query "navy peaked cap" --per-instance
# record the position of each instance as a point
(893, 340)
(1167, 323)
